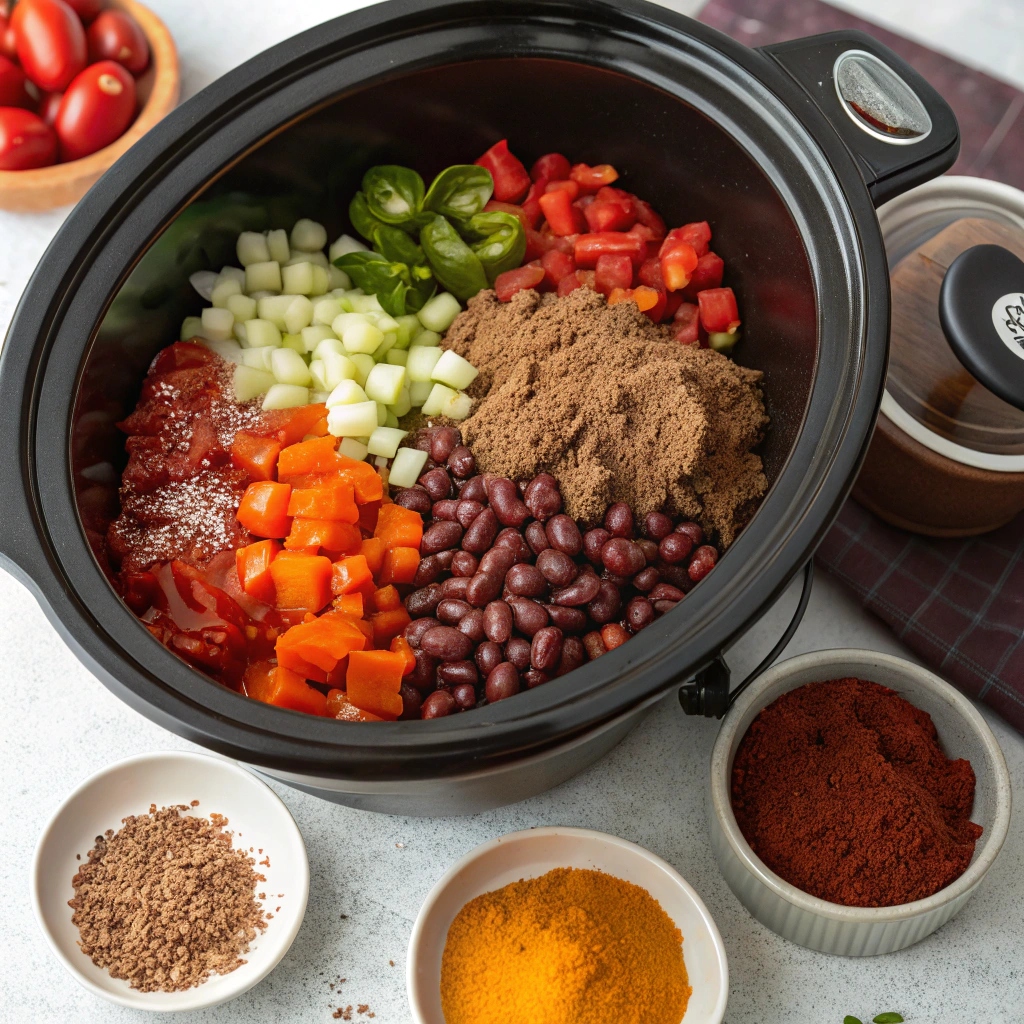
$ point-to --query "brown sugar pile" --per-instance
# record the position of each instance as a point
(613, 407)
(166, 901)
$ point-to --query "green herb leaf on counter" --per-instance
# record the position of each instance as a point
(889, 1017)
(388, 280)
(850, 1019)
(454, 263)
(394, 195)
(459, 192)
(498, 239)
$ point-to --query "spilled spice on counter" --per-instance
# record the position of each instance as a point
(613, 407)
(843, 790)
(166, 901)
(573, 945)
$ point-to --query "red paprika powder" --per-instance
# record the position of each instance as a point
(842, 789)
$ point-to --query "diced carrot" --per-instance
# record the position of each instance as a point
(364, 479)
(368, 515)
(372, 549)
(373, 681)
(252, 564)
(314, 456)
(291, 425)
(333, 499)
(400, 565)
(387, 599)
(256, 456)
(329, 534)
(399, 527)
(387, 625)
(283, 688)
(402, 646)
(350, 604)
(301, 581)
(263, 510)
(366, 629)
(340, 707)
(350, 574)
(323, 642)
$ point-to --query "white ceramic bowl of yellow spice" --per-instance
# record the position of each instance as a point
(552, 924)
(824, 925)
(244, 876)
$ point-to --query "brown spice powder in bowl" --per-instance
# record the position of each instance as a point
(613, 407)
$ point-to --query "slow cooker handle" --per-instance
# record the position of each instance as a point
(709, 694)
(900, 131)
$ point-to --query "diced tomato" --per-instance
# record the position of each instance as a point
(587, 279)
(512, 281)
(550, 167)
(687, 324)
(400, 565)
(563, 243)
(569, 284)
(650, 273)
(618, 295)
(333, 536)
(696, 235)
(253, 566)
(614, 216)
(590, 247)
(613, 272)
(570, 186)
(263, 510)
(536, 245)
(277, 685)
(583, 202)
(301, 581)
(562, 217)
(373, 681)
(557, 265)
(519, 212)
(340, 707)
(591, 179)
(708, 274)
(399, 527)
(256, 456)
(673, 300)
(350, 574)
(656, 310)
(677, 264)
(718, 310)
(531, 204)
(402, 646)
(333, 499)
(648, 217)
(510, 178)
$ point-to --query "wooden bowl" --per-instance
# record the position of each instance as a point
(62, 184)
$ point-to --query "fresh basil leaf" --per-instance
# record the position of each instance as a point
(362, 220)
(394, 194)
(455, 265)
(500, 241)
(424, 285)
(394, 244)
(459, 192)
(386, 279)
(850, 1019)
(889, 1017)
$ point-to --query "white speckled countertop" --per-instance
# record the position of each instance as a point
(369, 872)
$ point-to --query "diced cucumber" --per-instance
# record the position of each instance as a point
(453, 370)
(354, 449)
(337, 278)
(285, 396)
(381, 351)
(329, 344)
(260, 294)
(273, 308)
(318, 259)
(457, 407)
(235, 272)
(217, 323)
(297, 278)
(382, 414)
(242, 307)
(277, 245)
(387, 324)
(407, 467)
(261, 332)
(364, 364)
(421, 362)
(426, 339)
(361, 337)
(191, 327)
(348, 392)
(408, 326)
(419, 391)
(250, 382)
(321, 280)
(239, 332)
(364, 303)
(438, 313)
(308, 236)
(263, 277)
(392, 420)
(359, 420)
(318, 397)
(295, 342)
(439, 395)
(230, 351)
(385, 441)
(316, 333)
(204, 281)
(338, 368)
(402, 404)
(722, 341)
(252, 250)
(299, 314)
(397, 356)
(317, 372)
(290, 368)
(344, 245)
(385, 382)
(223, 290)
(259, 358)
(327, 309)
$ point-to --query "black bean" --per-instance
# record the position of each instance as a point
(517, 651)
(439, 704)
(503, 682)
(416, 499)
(461, 462)
(618, 520)
(480, 536)
(564, 535)
(546, 649)
(464, 564)
(498, 621)
(446, 643)
(424, 601)
(451, 611)
(542, 496)
(483, 588)
(557, 567)
(526, 581)
(440, 536)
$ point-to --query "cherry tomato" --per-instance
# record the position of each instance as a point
(85, 9)
(25, 141)
(51, 42)
(49, 105)
(115, 35)
(12, 86)
(97, 107)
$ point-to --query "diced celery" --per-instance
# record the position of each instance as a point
(277, 245)
(385, 383)
(382, 414)
(261, 332)
(204, 281)
(438, 313)
(421, 362)
(348, 392)
(385, 441)
(217, 323)
(223, 290)
(337, 278)
(328, 344)
(308, 236)
(295, 342)
(408, 326)
(359, 420)
(439, 395)
(235, 272)
(263, 277)
(419, 391)
(290, 368)
(344, 245)
(318, 373)
(250, 382)
(230, 351)
(458, 406)
(397, 356)
(259, 358)
(299, 314)
(286, 396)
(407, 467)
(321, 280)
(354, 449)
(402, 404)
(361, 337)
(365, 303)
(381, 351)
(364, 364)
(297, 278)
(722, 341)
(453, 370)
(426, 339)
(314, 334)
(338, 368)
(252, 249)
(191, 327)
(242, 307)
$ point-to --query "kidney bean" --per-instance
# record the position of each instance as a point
(455, 673)
(440, 536)
(461, 462)
(424, 673)
(703, 561)
(620, 581)
(666, 592)
(427, 571)
(593, 541)
(498, 621)
(594, 646)
(605, 606)
(474, 490)
(483, 588)
(649, 548)
(622, 557)
(529, 615)
(512, 540)
(568, 620)
(472, 624)
(546, 648)
(639, 613)
(564, 535)
(436, 483)
(526, 581)
(488, 656)
(537, 538)
(450, 611)
(677, 576)
(464, 564)
(445, 441)
(646, 579)
(574, 654)
(505, 501)
(424, 601)
(503, 682)
(439, 704)
(497, 561)
(480, 536)
(542, 497)
(446, 643)
(618, 520)
(693, 531)
(455, 587)
(415, 630)
(517, 651)
(657, 525)
(582, 590)
(466, 511)
(423, 439)
(675, 548)
(557, 567)
(664, 606)
(445, 509)
(534, 677)
(412, 701)
(416, 499)
(445, 558)
(613, 635)
(465, 695)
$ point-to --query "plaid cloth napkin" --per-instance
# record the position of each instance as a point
(958, 604)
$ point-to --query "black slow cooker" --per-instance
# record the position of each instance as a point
(785, 150)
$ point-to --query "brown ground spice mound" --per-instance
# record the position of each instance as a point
(841, 788)
(166, 901)
(613, 407)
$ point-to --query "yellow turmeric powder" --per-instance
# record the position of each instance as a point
(571, 947)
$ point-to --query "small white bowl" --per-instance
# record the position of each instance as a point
(830, 927)
(255, 815)
(534, 852)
